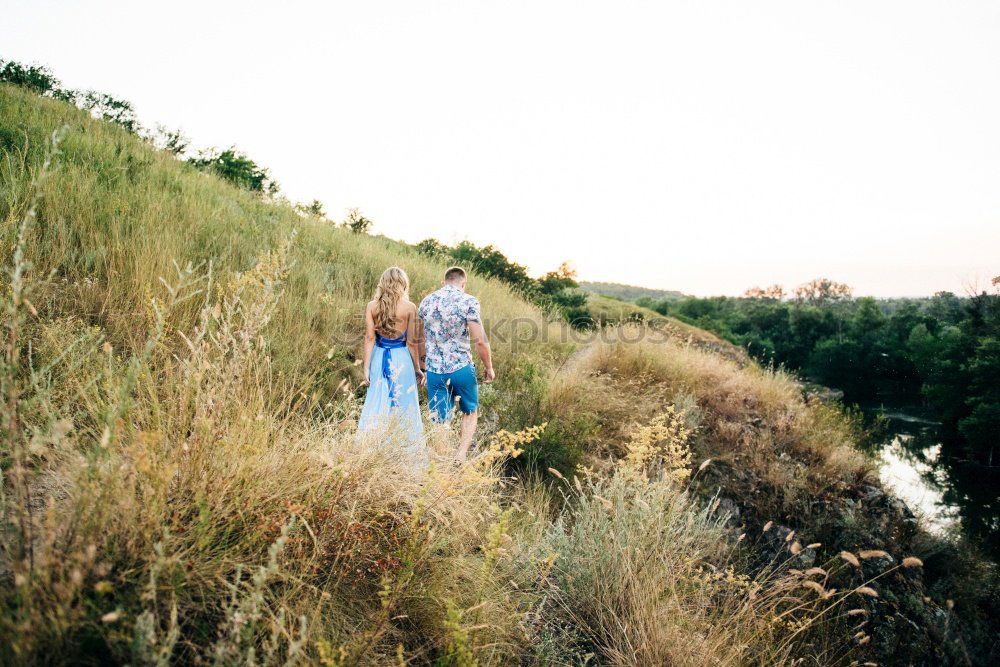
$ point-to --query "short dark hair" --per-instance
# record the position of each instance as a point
(454, 273)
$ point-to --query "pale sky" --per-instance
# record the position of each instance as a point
(702, 146)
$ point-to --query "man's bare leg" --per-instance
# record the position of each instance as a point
(466, 433)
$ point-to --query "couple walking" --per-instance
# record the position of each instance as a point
(407, 347)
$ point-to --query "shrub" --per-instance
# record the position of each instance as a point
(236, 168)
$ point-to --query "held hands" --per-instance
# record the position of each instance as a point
(421, 377)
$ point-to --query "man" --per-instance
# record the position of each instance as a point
(450, 319)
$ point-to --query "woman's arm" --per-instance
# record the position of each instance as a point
(415, 343)
(369, 341)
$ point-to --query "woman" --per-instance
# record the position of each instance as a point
(392, 363)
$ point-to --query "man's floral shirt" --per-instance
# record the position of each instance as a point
(445, 314)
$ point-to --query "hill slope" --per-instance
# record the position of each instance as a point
(629, 292)
(182, 481)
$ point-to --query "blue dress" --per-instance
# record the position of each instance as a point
(392, 402)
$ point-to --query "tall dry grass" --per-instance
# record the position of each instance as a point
(755, 419)
(193, 515)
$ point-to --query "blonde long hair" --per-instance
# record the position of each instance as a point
(393, 286)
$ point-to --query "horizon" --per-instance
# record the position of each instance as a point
(710, 133)
(787, 297)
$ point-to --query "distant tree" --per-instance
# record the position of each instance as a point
(775, 292)
(631, 292)
(172, 141)
(572, 304)
(822, 290)
(981, 428)
(868, 319)
(834, 362)
(313, 208)
(945, 307)
(561, 289)
(35, 78)
(490, 261)
(102, 105)
(236, 168)
(556, 281)
(357, 223)
(432, 248)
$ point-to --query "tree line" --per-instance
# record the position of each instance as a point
(556, 290)
(230, 163)
(940, 352)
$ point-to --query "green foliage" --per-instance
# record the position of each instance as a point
(555, 290)
(631, 293)
(102, 105)
(230, 164)
(172, 141)
(559, 280)
(236, 168)
(490, 261)
(433, 248)
(820, 291)
(357, 223)
(42, 81)
(561, 289)
(981, 428)
(940, 350)
(35, 78)
(313, 208)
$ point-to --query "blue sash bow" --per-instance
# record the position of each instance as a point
(389, 344)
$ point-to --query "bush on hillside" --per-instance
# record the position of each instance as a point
(357, 223)
(171, 141)
(237, 168)
(111, 109)
(37, 79)
(555, 290)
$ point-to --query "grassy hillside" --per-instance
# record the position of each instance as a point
(182, 482)
(606, 309)
(629, 292)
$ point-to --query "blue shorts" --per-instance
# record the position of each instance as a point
(442, 388)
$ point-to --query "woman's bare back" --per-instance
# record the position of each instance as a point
(405, 312)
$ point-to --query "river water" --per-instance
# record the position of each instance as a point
(950, 493)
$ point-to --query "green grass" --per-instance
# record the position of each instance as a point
(629, 292)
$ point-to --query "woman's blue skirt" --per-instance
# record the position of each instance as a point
(398, 414)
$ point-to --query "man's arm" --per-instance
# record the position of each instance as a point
(478, 336)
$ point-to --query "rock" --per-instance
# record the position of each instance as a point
(778, 543)
(727, 507)
(900, 507)
(806, 558)
(821, 393)
(871, 494)
(776, 539)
